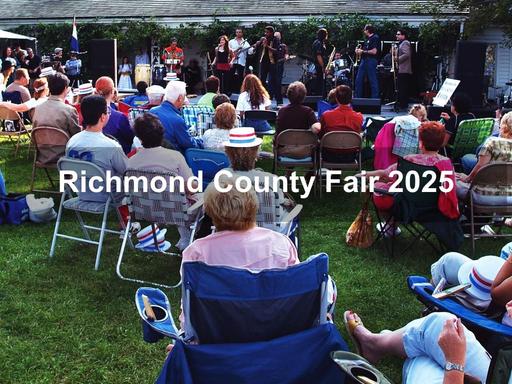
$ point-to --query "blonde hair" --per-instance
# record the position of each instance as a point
(233, 210)
(506, 126)
(419, 111)
(225, 116)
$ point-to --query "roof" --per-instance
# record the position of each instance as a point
(42, 10)
(14, 36)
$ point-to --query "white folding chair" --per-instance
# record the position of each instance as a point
(166, 208)
(74, 203)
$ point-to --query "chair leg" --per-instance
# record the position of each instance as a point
(57, 225)
(32, 181)
(82, 225)
(472, 221)
(123, 246)
(49, 177)
(102, 236)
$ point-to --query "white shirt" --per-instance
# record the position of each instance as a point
(244, 103)
(142, 59)
(214, 138)
(234, 44)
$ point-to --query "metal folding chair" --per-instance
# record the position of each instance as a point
(50, 145)
(6, 115)
(74, 203)
(166, 208)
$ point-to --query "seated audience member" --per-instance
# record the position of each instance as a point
(343, 117)
(431, 137)
(7, 71)
(140, 98)
(296, 115)
(54, 112)
(175, 129)
(155, 95)
(212, 89)
(460, 108)
(254, 96)
(225, 119)
(219, 99)
(429, 345)
(153, 157)
(40, 96)
(84, 90)
(457, 269)
(238, 242)
(118, 125)
(21, 80)
(494, 149)
(92, 145)
(419, 111)
(242, 158)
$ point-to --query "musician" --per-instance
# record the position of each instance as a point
(142, 57)
(282, 57)
(222, 63)
(268, 52)
(404, 68)
(239, 45)
(368, 66)
(340, 68)
(173, 52)
(73, 68)
(320, 55)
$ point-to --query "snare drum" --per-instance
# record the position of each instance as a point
(143, 73)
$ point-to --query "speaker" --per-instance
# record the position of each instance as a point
(469, 69)
(367, 106)
(102, 59)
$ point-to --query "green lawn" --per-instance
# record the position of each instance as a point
(62, 322)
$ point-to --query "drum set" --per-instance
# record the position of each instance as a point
(340, 72)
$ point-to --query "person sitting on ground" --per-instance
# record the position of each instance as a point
(140, 98)
(41, 92)
(460, 108)
(212, 89)
(254, 96)
(219, 99)
(431, 345)
(118, 125)
(155, 96)
(419, 111)
(343, 117)
(175, 129)
(7, 71)
(225, 119)
(21, 80)
(153, 157)
(431, 138)
(296, 115)
(494, 149)
(54, 112)
(93, 145)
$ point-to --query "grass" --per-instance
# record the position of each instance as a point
(63, 322)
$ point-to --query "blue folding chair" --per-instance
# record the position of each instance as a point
(209, 162)
(422, 288)
(242, 326)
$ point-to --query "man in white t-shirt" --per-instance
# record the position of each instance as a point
(92, 145)
(239, 45)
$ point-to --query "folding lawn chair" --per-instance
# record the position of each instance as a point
(423, 289)
(69, 202)
(471, 134)
(190, 113)
(166, 208)
(210, 162)
(205, 121)
(242, 326)
(50, 145)
(13, 126)
(418, 212)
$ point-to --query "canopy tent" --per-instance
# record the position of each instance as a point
(5, 35)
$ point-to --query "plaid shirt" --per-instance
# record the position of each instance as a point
(190, 113)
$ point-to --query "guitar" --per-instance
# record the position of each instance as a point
(237, 53)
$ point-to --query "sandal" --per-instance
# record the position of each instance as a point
(350, 326)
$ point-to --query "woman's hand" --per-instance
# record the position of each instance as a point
(445, 116)
(453, 342)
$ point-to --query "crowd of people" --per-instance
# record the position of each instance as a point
(438, 347)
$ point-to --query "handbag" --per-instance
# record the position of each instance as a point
(13, 209)
(360, 232)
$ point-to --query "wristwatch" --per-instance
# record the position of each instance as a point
(453, 367)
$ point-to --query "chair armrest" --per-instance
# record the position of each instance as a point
(293, 213)
(383, 192)
(198, 204)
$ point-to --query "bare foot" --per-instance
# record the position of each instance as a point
(365, 339)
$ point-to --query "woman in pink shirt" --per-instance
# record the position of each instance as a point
(238, 242)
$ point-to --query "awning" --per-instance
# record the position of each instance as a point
(5, 35)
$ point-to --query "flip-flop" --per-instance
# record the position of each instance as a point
(350, 326)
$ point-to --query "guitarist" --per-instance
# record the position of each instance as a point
(239, 46)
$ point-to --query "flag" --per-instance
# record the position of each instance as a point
(74, 38)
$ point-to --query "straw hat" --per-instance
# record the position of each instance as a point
(480, 274)
(47, 71)
(242, 137)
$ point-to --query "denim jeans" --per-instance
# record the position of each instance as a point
(468, 162)
(425, 359)
(368, 67)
